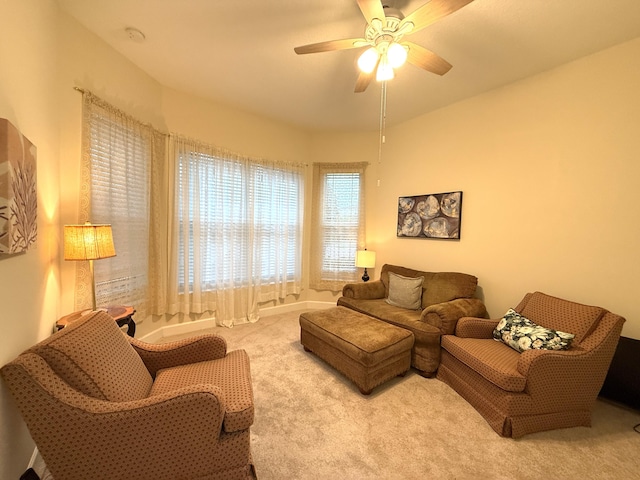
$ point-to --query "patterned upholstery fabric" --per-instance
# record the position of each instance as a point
(182, 352)
(230, 373)
(496, 364)
(562, 315)
(168, 434)
(536, 390)
(92, 356)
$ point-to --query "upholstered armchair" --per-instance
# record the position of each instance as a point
(102, 405)
(536, 389)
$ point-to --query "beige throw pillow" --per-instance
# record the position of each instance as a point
(405, 292)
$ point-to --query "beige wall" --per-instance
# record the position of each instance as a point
(29, 283)
(549, 169)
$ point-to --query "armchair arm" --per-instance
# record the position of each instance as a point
(84, 437)
(569, 376)
(445, 315)
(471, 327)
(182, 352)
(366, 290)
(575, 376)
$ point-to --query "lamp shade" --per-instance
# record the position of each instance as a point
(397, 55)
(365, 259)
(385, 70)
(88, 242)
(368, 60)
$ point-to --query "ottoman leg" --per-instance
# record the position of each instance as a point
(364, 392)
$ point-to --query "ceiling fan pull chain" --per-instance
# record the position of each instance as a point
(383, 118)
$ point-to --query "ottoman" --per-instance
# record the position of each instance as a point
(366, 350)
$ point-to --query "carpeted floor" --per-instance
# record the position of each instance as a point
(312, 423)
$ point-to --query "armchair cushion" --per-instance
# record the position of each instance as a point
(405, 292)
(494, 361)
(107, 369)
(520, 333)
(560, 314)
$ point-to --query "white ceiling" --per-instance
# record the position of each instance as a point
(240, 52)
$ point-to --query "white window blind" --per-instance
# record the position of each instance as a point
(119, 150)
(239, 222)
(338, 224)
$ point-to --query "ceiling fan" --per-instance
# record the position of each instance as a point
(384, 34)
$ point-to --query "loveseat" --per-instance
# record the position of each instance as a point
(442, 298)
(510, 371)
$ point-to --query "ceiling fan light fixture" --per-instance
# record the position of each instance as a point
(397, 55)
(368, 60)
(385, 70)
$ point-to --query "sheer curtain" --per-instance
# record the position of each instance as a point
(234, 231)
(117, 153)
(196, 228)
(338, 223)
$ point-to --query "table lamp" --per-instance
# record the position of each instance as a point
(365, 259)
(88, 242)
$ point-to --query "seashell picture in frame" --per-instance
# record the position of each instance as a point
(434, 215)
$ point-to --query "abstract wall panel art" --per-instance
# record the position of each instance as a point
(18, 193)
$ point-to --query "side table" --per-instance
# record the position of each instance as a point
(122, 314)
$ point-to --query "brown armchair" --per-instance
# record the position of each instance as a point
(101, 405)
(536, 390)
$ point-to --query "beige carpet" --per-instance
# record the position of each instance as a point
(312, 423)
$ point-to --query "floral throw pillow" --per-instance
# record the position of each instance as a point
(522, 334)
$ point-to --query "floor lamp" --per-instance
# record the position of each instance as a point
(88, 242)
(365, 259)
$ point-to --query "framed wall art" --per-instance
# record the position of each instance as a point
(434, 215)
(18, 193)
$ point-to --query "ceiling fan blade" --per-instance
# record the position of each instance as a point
(423, 58)
(432, 12)
(371, 9)
(331, 45)
(364, 79)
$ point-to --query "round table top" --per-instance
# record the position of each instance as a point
(116, 311)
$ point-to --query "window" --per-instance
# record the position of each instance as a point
(196, 228)
(338, 223)
(118, 150)
(239, 221)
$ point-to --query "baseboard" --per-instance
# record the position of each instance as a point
(208, 323)
(292, 307)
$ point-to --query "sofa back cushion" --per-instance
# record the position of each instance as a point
(437, 287)
(93, 356)
(559, 314)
